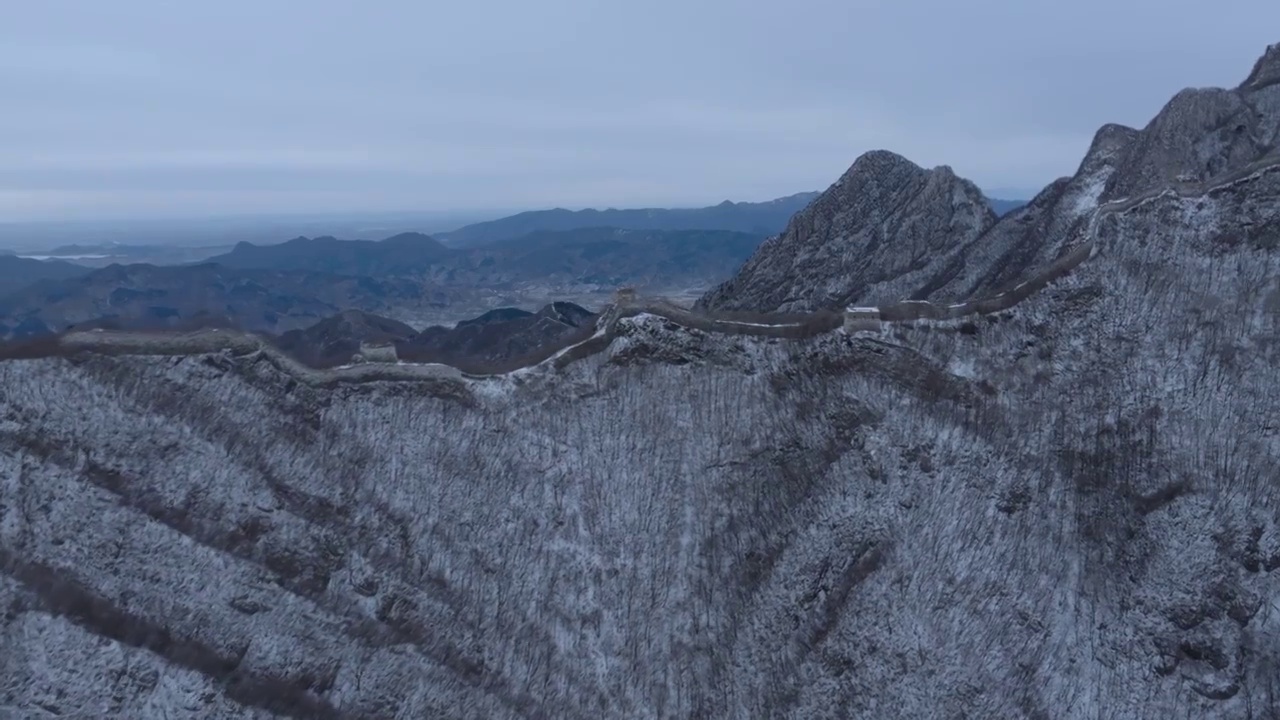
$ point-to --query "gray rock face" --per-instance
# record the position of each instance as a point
(877, 235)
(1068, 510)
(1035, 234)
(1201, 136)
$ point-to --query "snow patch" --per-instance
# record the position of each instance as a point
(1089, 193)
(963, 367)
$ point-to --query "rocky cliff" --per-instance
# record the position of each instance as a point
(876, 235)
(1202, 135)
(1063, 510)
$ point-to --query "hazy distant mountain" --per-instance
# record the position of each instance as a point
(17, 273)
(578, 257)
(1003, 207)
(613, 256)
(403, 254)
(106, 254)
(146, 296)
(764, 218)
(278, 288)
(35, 237)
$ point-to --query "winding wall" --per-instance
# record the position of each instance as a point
(809, 325)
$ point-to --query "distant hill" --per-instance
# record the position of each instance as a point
(397, 255)
(17, 273)
(579, 257)
(500, 339)
(1003, 207)
(292, 285)
(334, 340)
(763, 218)
(146, 296)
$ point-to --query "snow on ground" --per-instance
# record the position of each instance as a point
(1088, 193)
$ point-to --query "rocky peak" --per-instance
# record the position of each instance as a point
(1205, 134)
(1110, 140)
(1200, 134)
(1266, 71)
(875, 235)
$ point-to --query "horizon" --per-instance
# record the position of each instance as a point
(348, 215)
(143, 110)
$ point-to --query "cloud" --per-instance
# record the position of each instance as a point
(150, 104)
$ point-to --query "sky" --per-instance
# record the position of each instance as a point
(153, 108)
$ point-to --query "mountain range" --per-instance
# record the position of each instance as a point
(760, 219)
(567, 261)
(288, 286)
(17, 273)
(150, 297)
(582, 256)
(1027, 472)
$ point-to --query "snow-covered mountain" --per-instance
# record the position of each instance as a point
(1067, 509)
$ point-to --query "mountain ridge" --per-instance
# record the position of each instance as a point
(1060, 509)
(763, 218)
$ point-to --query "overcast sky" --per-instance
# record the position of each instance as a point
(134, 108)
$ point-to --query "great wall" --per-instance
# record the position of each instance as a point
(791, 326)
(383, 367)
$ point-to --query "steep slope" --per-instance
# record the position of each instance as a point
(1206, 135)
(761, 219)
(1066, 510)
(878, 234)
(1032, 236)
(1201, 135)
